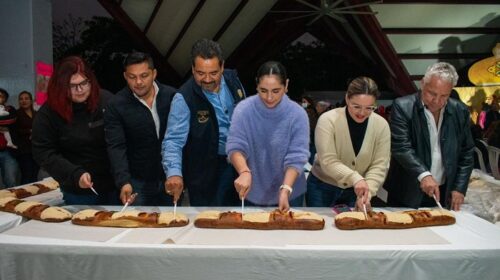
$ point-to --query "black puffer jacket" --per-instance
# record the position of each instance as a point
(411, 150)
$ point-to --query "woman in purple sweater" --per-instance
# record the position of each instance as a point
(268, 143)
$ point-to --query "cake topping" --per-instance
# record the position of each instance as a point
(354, 215)
(167, 217)
(85, 214)
(256, 217)
(208, 215)
(57, 213)
(23, 206)
(400, 218)
(5, 200)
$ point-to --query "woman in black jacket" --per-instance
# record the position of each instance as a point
(68, 135)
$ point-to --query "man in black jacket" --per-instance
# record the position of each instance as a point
(432, 147)
(194, 151)
(135, 123)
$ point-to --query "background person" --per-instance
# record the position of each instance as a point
(24, 124)
(8, 164)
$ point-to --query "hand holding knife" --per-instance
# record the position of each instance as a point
(129, 200)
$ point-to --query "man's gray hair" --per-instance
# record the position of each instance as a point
(442, 70)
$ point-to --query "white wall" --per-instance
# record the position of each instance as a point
(26, 34)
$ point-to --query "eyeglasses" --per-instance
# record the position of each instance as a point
(81, 86)
(360, 108)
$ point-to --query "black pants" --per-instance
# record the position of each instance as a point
(222, 193)
(29, 168)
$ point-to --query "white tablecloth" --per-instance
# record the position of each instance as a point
(470, 249)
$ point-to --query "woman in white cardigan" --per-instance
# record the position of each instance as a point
(353, 151)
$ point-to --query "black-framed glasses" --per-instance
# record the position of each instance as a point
(80, 86)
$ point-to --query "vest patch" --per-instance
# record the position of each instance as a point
(203, 116)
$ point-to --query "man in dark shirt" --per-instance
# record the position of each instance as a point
(135, 123)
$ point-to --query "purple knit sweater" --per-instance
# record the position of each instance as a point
(271, 140)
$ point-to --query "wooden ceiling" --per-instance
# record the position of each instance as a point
(395, 45)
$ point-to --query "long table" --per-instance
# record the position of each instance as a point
(469, 249)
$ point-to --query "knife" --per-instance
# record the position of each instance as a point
(364, 210)
(128, 202)
(242, 205)
(91, 188)
(175, 211)
(437, 202)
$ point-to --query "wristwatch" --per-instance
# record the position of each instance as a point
(286, 187)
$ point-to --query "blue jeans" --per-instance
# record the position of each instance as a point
(9, 169)
(296, 202)
(321, 194)
(109, 198)
(151, 193)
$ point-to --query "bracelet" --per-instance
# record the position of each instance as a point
(286, 187)
(244, 171)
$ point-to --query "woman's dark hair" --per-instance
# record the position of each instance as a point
(272, 68)
(5, 93)
(59, 91)
(363, 85)
(309, 100)
(28, 94)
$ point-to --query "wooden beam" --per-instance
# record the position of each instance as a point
(465, 30)
(444, 55)
(153, 15)
(370, 32)
(267, 38)
(230, 19)
(166, 73)
(184, 29)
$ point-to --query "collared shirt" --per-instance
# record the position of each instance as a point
(223, 104)
(437, 168)
(178, 127)
(154, 112)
